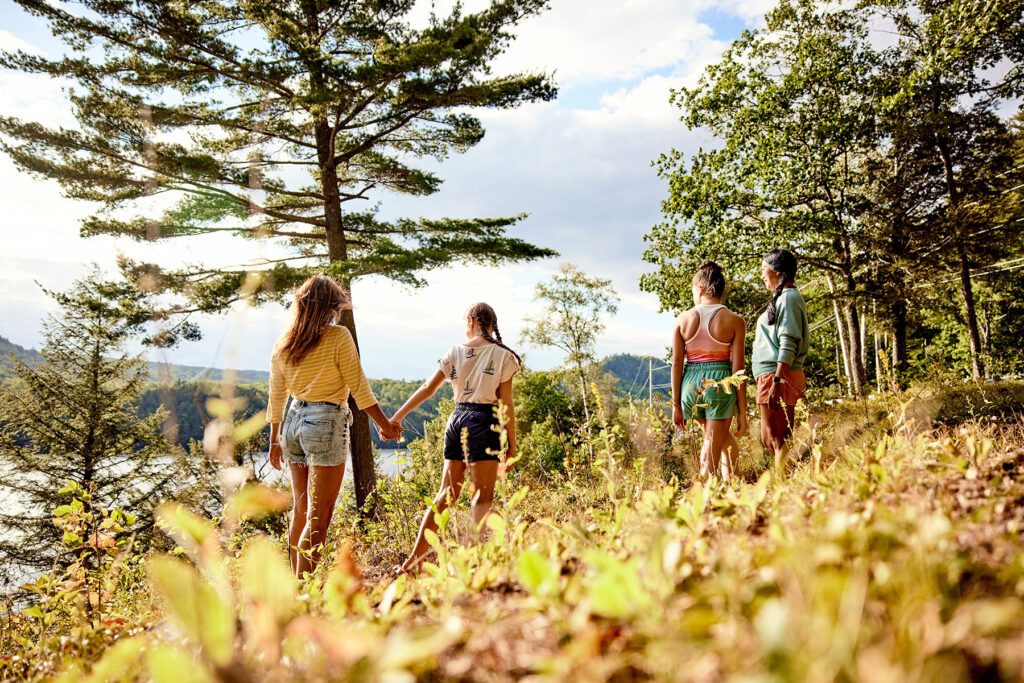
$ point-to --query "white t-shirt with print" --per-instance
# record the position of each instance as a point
(476, 371)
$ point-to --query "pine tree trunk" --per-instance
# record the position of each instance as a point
(363, 474)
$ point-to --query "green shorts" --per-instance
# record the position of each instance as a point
(713, 403)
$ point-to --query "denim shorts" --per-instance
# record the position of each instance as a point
(316, 433)
(482, 439)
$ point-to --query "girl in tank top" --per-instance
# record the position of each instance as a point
(708, 344)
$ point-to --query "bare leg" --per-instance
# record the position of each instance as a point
(324, 484)
(716, 432)
(707, 464)
(766, 432)
(730, 456)
(776, 423)
(300, 503)
(451, 486)
(483, 475)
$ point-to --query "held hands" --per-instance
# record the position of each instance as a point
(392, 430)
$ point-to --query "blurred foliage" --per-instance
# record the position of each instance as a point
(891, 551)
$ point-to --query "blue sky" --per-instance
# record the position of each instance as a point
(580, 166)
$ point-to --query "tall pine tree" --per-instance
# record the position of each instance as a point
(74, 416)
(275, 119)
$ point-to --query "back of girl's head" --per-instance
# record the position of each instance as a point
(783, 262)
(316, 304)
(487, 320)
(711, 278)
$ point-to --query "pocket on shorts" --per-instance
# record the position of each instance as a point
(288, 436)
(320, 428)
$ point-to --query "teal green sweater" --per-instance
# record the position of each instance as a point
(787, 340)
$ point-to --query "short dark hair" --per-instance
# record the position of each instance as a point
(711, 277)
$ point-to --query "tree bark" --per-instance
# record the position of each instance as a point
(977, 364)
(858, 374)
(363, 474)
(953, 193)
(863, 341)
(586, 413)
(839, 331)
(898, 310)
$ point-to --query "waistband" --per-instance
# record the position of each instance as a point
(299, 403)
(476, 407)
(708, 362)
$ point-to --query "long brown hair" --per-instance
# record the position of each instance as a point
(487, 319)
(316, 306)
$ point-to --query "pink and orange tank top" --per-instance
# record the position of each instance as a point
(702, 347)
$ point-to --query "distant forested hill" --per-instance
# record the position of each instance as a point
(160, 372)
(7, 347)
(184, 389)
(186, 401)
(633, 374)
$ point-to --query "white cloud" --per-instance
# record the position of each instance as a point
(11, 43)
(601, 40)
(580, 166)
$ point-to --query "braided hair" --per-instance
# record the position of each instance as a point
(487, 319)
(782, 262)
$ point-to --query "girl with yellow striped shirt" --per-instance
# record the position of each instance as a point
(317, 363)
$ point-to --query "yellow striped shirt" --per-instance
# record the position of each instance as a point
(327, 373)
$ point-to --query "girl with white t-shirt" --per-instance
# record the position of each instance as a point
(481, 373)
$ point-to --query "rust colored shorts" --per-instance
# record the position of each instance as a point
(790, 392)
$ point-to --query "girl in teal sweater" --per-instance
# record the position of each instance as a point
(780, 347)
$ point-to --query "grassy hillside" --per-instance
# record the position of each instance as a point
(890, 552)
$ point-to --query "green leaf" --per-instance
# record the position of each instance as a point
(195, 606)
(169, 664)
(266, 577)
(537, 573)
(255, 500)
(119, 663)
(188, 529)
(34, 611)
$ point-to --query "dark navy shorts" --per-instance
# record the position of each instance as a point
(483, 441)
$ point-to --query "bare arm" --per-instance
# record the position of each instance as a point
(388, 430)
(738, 364)
(678, 359)
(505, 399)
(426, 390)
(275, 445)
